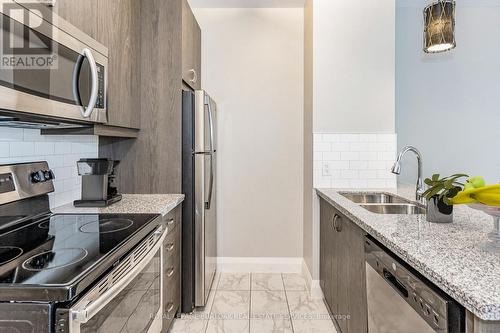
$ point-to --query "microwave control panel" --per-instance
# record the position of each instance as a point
(102, 87)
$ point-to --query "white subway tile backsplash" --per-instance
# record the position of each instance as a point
(11, 134)
(367, 137)
(61, 152)
(358, 165)
(340, 146)
(368, 174)
(354, 160)
(322, 146)
(349, 174)
(359, 146)
(317, 137)
(18, 149)
(44, 148)
(4, 149)
(368, 156)
(331, 156)
(349, 137)
(349, 156)
(331, 138)
(339, 165)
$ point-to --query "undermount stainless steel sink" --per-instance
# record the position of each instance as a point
(395, 209)
(375, 197)
(384, 203)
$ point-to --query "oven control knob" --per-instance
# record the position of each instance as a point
(38, 177)
(48, 175)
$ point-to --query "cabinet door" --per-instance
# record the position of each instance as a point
(80, 13)
(356, 279)
(119, 30)
(191, 48)
(350, 276)
(325, 253)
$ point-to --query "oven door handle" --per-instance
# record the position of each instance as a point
(86, 112)
(87, 311)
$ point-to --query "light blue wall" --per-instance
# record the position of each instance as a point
(448, 105)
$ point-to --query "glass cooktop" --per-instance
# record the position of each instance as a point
(61, 249)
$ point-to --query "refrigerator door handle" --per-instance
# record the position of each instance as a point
(208, 203)
(210, 121)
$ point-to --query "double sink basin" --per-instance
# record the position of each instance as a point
(385, 203)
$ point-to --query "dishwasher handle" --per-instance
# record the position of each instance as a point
(395, 283)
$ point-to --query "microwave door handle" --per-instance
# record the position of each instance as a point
(87, 312)
(95, 84)
(76, 79)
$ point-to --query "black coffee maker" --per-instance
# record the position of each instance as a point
(98, 177)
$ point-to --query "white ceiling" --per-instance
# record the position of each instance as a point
(246, 3)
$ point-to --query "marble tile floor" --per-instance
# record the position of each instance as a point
(258, 303)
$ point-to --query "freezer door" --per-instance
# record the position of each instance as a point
(205, 123)
(205, 226)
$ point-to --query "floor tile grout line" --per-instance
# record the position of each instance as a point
(287, 304)
(250, 306)
(212, 305)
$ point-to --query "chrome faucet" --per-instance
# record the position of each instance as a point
(396, 169)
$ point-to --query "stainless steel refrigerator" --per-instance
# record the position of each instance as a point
(199, 213)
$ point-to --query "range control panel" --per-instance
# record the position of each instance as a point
(25, 180)
(6, 183)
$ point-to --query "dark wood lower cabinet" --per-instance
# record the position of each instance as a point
(172, 269)
(342, 270)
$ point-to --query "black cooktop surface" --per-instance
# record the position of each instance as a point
(59, 252)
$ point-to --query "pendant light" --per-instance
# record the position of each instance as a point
(439, 30)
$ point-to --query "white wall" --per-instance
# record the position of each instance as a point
(353, 100)
(448, 104)
(252, 62)
(354, 66)
(61, 152)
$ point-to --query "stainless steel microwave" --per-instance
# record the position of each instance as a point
(51, 73)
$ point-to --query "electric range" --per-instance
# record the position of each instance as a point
(71, 272)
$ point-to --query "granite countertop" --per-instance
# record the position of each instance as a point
(449, 255)
(130, 204)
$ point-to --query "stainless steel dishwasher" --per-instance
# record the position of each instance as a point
(401, 300)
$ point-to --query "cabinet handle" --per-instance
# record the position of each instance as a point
(170, 272)
(336, 223)
(170, 306)
(170, 222)
(195, 76)
(169, 247)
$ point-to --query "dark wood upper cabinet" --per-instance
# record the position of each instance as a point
(342, 270)
(119, 29)
(80, 13)
(191, 48)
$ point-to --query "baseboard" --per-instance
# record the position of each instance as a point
(259, 265)
(312, 285)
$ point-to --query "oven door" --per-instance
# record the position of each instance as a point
(47, 72)
(129, 298)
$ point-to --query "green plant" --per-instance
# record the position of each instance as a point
(443, 188)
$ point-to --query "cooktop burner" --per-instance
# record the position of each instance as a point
(105, 226)
(54, 259)
(62, 249)
(9, 253)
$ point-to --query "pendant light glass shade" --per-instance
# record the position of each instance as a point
(439, 30)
